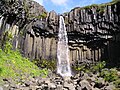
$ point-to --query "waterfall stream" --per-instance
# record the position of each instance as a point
(63, 64)
(1, 20)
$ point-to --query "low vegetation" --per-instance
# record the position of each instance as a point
(49, 64)
(13, 65)
(101, 7)
(41, 16)
(109, 75)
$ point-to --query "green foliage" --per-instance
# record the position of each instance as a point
(49, 64)
(65, 13)
(26, 8)
(6, 41)
(87, 7)
(115, 1)
(98, 67)
(90, 67)
(109, 75)
(43, 15)
(101, 7)
(117, 83)
(79, 67)
(90, 6)
(13, 65)
(94, 5)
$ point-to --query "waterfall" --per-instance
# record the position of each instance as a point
(1, 20)
(63, 64)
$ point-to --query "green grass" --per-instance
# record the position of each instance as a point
(13, 65)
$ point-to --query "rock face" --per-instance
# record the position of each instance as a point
(31, 26)
(93, 32)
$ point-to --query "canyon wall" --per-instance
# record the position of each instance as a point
(93, 31)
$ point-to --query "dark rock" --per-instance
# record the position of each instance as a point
(6, 80)
(27, 83)
(90, 31)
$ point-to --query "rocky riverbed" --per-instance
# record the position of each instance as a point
(81, 81)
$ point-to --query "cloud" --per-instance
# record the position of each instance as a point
(66, 8)
(83, 3)
(59, 2)
(39, 1)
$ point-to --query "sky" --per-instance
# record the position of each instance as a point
(61, 6)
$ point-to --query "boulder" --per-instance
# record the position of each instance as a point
(85, 85)
(59, 87)
(69, 86)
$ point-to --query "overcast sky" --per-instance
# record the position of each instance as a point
(61, 6)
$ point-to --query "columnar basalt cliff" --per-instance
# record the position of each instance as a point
(31, 26)
(93, 31)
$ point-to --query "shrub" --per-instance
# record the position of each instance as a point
(117, 83)
(44, 15)
(87, 67)
(79, 67)
(98, 67)
(109, 75)
(49, 64)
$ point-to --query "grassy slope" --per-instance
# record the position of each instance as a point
(13, 65)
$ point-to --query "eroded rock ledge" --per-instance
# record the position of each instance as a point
(93, 31)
